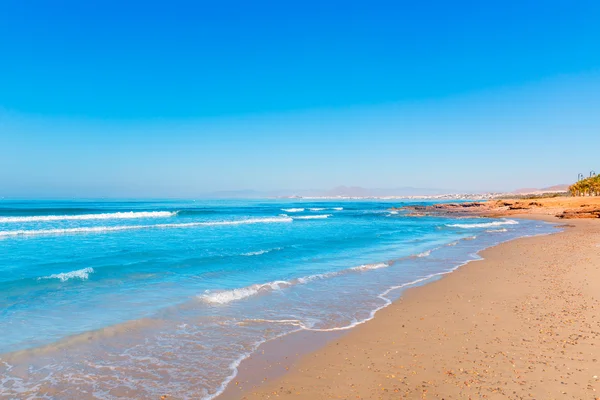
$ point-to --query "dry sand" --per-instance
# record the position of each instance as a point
(522, 323)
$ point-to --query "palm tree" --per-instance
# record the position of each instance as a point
(586, 187)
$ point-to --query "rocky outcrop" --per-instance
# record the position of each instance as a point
(581, 212)
(563, 207)
(466, 209)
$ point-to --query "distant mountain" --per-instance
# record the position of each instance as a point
(356, 191)
(555, 188)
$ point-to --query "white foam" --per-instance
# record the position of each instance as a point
(292, 210)
(497, 230)
(485, 224)
(322, 216)
(310, 278)
(360, 268)
(367, 267)
(259, 252)
(393, 212)
(256, 253)
(82, 274)
(424, 254)
(227, 296)
(117, 215)
(103, 229)
(338, 208)
(386, 301)
(316, 209)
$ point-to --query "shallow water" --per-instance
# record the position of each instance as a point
(139, 299)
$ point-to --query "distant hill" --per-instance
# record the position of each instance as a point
(356, 191)
(555, 188)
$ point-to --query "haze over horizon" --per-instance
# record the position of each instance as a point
(139, 100)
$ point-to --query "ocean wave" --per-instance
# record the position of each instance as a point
(367, 267)
(259, 252)
(292, 210)
(316, 209)
(116, 215)
(82, 274)
(355, 322)
(424, 254)
(322, 216)
(104, 229)
(227, 296)
(310, 278)
(338, 208)
(484, 224)
(497, 230)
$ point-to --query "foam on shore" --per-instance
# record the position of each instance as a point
(485, 224)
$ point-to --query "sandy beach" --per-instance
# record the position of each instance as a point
(522, 323)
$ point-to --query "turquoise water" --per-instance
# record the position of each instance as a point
(99, 298)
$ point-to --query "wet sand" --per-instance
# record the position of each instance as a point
(522, 323)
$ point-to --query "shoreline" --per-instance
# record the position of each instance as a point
(277, 367)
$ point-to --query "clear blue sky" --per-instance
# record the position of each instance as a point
(181, 98)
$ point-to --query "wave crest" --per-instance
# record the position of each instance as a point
(227, 296)
(484, 224)
(322, 216)
(367, 267)
(292, 210)
(423, 254)
(116, 215)
(103, 229)
(259, 252)
(82, 274)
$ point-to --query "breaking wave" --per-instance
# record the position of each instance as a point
(367, 267)
(117, 215)
(322, 216)
(424, 254)
(485, 224)
(227, 296)
(82, 274)
(103, 229)
(259, 252)
(292, 210)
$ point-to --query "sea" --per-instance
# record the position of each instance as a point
(138, 299)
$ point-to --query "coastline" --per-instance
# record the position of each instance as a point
(389, 355)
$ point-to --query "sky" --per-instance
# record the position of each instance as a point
(182, 98)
